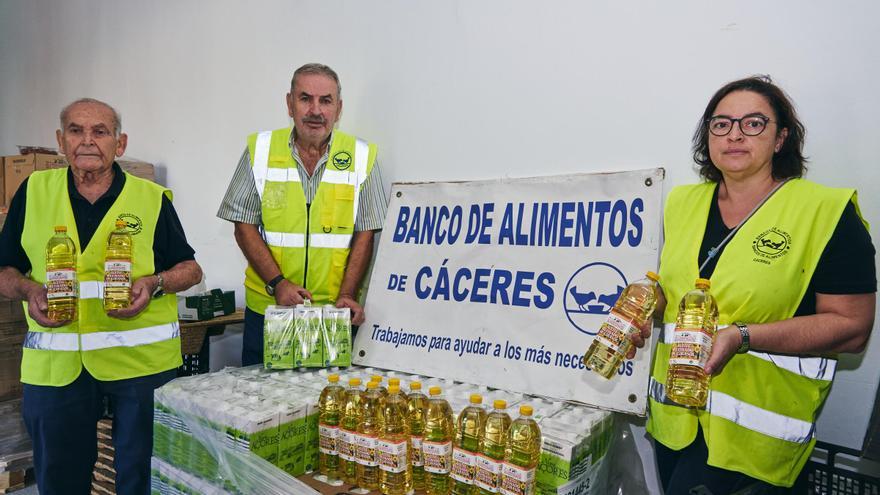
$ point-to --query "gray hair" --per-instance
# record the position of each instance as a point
(319, 69)
(117, 119)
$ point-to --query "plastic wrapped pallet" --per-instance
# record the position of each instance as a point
(252, 430)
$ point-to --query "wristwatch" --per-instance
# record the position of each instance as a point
(270, 287)
(159, 291)
(744, 333)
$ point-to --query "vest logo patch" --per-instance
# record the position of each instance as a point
(342, 160)
(133, 223)
(772, 243)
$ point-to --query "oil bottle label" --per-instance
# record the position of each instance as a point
(392, 456)
(416, 458)
(463, 465)
(690, 347)
(516, 480)
(614, 332)
(366, 450)
(488, 473)
(345, 445)
(61, 283)
(437, 456)
(327, 436)
(117, 273)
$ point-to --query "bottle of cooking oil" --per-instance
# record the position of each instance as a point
(347, 443)
(61, 284)
(395, 475)
(521, 455)
(695, 328)
(369, 426)
(468, 433)
(437, 444)
(492, 445)
(417, 408)
(330, 407)
(378, 379)
(117, 268)
(632, 310)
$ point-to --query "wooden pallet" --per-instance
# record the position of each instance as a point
(104, 475)
(11, 480)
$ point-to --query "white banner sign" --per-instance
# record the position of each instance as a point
(504, 283)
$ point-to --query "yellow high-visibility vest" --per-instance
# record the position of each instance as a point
(761, 412)
(310, 243)
(109, 348)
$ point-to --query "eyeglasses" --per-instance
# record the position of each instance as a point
(750, 125)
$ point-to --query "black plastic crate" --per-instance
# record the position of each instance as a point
(819, 478)
(196, 364)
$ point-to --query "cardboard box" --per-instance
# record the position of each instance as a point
(13, 328)
(18, 167)
(143, 170)
(10, 312)
(15, 170)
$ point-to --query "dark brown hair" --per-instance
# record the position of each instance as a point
(788, 162)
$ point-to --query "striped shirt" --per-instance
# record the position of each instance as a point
(242, 202)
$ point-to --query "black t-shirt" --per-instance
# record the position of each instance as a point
(845, 267)
(169, 243)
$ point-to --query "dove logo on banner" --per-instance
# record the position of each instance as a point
(592, 290)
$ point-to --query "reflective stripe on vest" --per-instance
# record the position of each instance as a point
(746, 415)
(91, 290)
(287, 239)
(260, 166)
(816, 368)
(49, 341)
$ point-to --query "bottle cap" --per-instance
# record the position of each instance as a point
(61, 228)
(525, 410)
(120, 223)
(334, 378)
(435, 390)
(476, 399)
(703, 282)
(354, 382)
(415, 385)
(394, 381)
(393, 389)
(376, 378)
(499, 404)
(372, 385)
(653, 276)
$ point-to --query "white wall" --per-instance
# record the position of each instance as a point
(451, 90)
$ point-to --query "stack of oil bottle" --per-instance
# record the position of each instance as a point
(247, 430)
(386, 440)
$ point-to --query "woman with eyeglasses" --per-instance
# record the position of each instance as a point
(792, 267)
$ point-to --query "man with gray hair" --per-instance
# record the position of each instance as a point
(70, 367)
(306, 201)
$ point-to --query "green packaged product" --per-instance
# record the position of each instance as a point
(337, 336)
(278, 338)
(308, 346)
